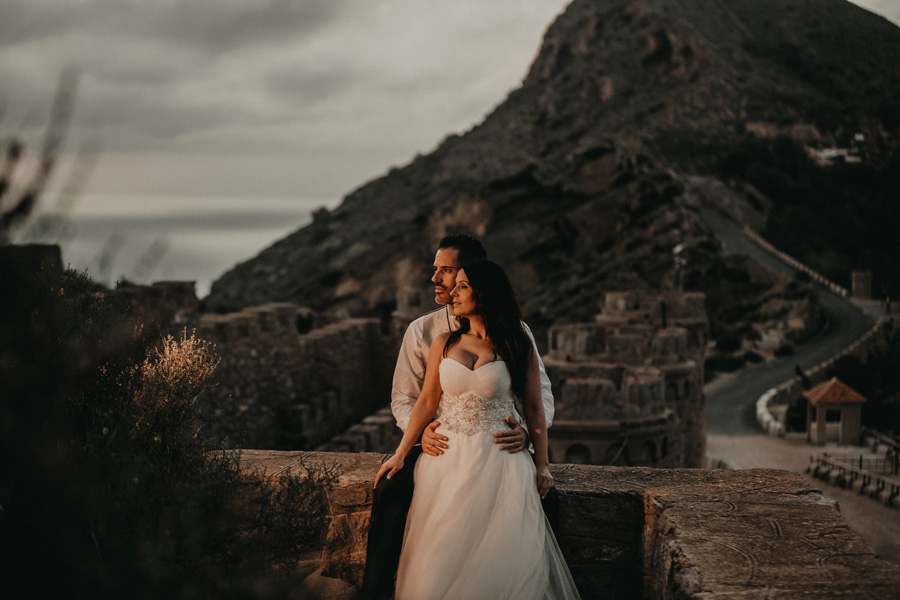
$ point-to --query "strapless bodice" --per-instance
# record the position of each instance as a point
(475, 400)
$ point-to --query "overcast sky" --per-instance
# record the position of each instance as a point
(302, 98)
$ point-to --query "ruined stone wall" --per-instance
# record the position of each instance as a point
(33, 259)
(288, 382)
(640, 362)
(375, 433)
(167, 305)
(639, 533)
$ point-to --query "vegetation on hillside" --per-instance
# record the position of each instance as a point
(107, 488)
(879, 381)
(837, 218)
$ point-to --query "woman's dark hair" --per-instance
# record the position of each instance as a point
(495, 302)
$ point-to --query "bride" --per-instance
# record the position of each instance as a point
(476, 528)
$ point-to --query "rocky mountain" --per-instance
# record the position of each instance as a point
(577, 181)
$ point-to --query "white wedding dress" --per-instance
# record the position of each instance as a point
(476, 528)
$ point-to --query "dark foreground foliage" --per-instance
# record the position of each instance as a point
(107, 489)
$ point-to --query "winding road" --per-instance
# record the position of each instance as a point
(736, 439)
(731, 402)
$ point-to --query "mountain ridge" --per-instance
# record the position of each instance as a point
(575, 181)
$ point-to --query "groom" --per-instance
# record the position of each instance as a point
(393, 496)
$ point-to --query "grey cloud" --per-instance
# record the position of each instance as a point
(153, 118)
(305, 84)
(147, 74)
(218, 25)
(215, 25)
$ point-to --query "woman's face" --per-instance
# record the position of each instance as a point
(462, 299)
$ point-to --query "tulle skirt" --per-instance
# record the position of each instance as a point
(476, 528)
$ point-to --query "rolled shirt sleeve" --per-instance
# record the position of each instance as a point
(409, 374)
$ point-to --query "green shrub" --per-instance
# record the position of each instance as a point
(725, 363)
(752, 357)
(817, 212)
(729, 342)
(752, 334)
(879, 381)
(784, 350)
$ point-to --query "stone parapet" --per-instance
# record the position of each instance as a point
(689, 534)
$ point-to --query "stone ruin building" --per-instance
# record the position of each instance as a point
(629, 386)
(289, 378)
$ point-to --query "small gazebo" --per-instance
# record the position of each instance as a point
(833, 413)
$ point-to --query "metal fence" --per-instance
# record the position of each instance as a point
(850, 471)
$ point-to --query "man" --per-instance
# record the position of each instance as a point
(393, 496)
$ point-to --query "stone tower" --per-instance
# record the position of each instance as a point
(629, 386)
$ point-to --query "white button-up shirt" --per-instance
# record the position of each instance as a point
(409, 374)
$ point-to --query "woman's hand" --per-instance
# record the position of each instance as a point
(389, 467)
(544, 480)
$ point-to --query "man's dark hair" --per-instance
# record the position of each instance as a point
(469, 246)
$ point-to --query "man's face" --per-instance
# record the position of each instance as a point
(446, 266)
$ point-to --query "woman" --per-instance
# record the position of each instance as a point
(476, 528)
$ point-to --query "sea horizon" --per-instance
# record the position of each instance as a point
(145, 238)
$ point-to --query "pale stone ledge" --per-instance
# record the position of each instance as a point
(651, 533)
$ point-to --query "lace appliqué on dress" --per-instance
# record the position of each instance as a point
(470, 413)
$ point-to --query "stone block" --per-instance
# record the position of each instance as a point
(611, 518)
(344, 555)
(351, 498)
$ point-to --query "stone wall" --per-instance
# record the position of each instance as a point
(287, 381)
(629, 386)
(168, 305)
(655, 441)
(33, 259)
(651, 533)
(375, 433)
(289, 378)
